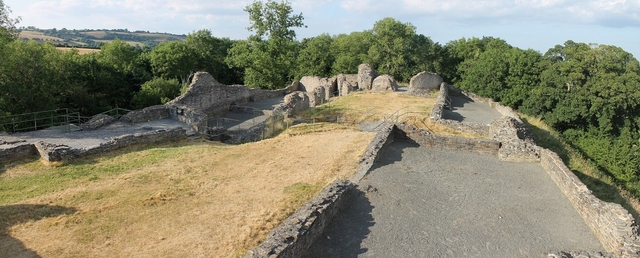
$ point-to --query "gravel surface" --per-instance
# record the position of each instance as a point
(238, 121)
(422, 202)
(92, 138)
(467, 110)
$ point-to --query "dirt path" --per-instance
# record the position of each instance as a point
(422, 202)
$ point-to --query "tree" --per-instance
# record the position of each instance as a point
(155, 92)
(315, 57)
(209, 53)
(7, 24)
(173, 60)
(393, 45)
(350, 51)
(269, 55)
(33, 77)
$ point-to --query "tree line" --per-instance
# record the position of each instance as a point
(588, 92)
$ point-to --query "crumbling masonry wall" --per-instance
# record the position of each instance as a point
(59, 152)
(611, 223)
(438, 110)
(296, 234)
(16, 149)
(206, 98)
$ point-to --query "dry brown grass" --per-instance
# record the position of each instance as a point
(374, 106)
(198, 200)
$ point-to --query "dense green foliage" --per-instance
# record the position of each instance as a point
(268, 56)
(589, 93)
(7, 23)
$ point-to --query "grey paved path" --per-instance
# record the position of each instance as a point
(466, 110)
(422, 202)
(92, 138)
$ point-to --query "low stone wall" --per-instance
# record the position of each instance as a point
(438, 107)
(147, 114)
(16, 150)
(518, 144)
(611, 223)
(438, 110)
(293, 103)
(59, 152)
(98, 121)
(454, 143)
(376, 147)
(296, 234)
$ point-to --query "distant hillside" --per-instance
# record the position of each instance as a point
(95, 38)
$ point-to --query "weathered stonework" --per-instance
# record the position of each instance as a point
(147, 114)
(376, 147)
(580, 254)
(11, 150)
(310, 84)
(517, 142)
(384, 83)
(424, 83)
(296, 234)
(60, 152)
(611, 223)
(366, 74)
(293, 103)
(438, 109)
(454, 143)
(98, 121)
(346, 83)
(316, 98)
(207, 98)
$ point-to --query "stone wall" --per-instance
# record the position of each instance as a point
(311, 84)
(438, 110)
(293, 103)
(59, 152)
(518, 144)
(346, 83)
(376, 147)
(296, 234)
(146, 114)
(611, 223)
(454, 143)
(207, 98)
(16, 149)
(366, 74)
(98, 121)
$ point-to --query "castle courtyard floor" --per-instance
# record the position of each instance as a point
(423, 202)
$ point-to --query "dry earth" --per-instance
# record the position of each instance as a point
(209, 200)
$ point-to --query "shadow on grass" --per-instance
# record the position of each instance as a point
(11, 215)
(6, 165)
(602, 190)
(346, 231)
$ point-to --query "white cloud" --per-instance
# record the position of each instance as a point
(601, 12)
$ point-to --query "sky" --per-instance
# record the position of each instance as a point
(527, 24)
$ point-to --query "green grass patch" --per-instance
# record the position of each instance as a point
(35, 178)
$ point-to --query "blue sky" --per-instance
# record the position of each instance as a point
(535, 24)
